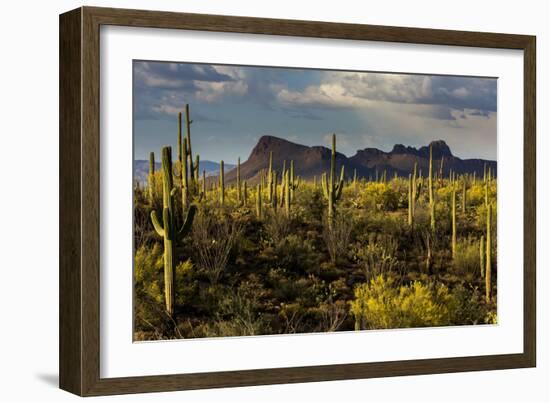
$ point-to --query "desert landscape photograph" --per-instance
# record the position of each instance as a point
(274, 200)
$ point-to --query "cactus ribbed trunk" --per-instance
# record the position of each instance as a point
(431, 193)
(188, 122)
(204, 183)
(259, 201)
(184, 176)
(245, 193)
(239, 194)
(287, 193)
(166, 229)
(488, 257)
(151, 179)
(464, 195)
(222, 184)
(453, 222)
(482, 256)
(274, 192)
(410, 198)
(270, 178)
(331, 190)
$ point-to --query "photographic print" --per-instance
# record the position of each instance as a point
(273, 200)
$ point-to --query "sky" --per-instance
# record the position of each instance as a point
(233, 106)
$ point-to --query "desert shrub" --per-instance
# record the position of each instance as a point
(381, 305)
(471, 309)
(296, 254)
(239, 313)
(277, 226)
(213, 240)
(467, 259)
(337, 236)
(379, 196)
(377, 257)
(151, 319)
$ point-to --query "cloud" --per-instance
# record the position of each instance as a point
(162, 89)
(171, 76)
(441, 95)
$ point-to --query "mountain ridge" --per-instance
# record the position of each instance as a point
(310, 161)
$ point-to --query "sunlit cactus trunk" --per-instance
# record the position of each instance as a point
(222, 184)
(184, 176)
(488, 257)
(245, 193)
(464, 201)
(270, 189)
(331, 189)
(151, 179)
(482, 256)
(166, 228)
(274, 190)
(188, 123)
(259, 201)
(431, 193)
(287, 193)
(239, 194)
(292, 181)
(453, 222)
(204, 184)
(410, 199)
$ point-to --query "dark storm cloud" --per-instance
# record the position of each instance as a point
(171, 76)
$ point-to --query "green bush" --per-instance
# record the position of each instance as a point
(382, 305)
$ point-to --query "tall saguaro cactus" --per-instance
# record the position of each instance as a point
(184, 176)
(410, 211)
(188, 123)
(464, 195)
(167, 230)
(151, 179)
(259, 201)
(482, 256)
(292, 181)
(270, 189)
(331, 189)
(287, 192)
(488, 257)
(431, 192)
(222, 183)
(453, 222)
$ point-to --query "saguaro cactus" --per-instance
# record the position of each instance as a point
(270, 189)
(464, 195)
(245, 193)
(184, 176)
(222, 184)
(259, 201)
(151, 179)
(287, 192)
(274, 191)
(204, 183)
(410, 220)
(331, 189)
(188, 123)
(167, 229)
(239, 194)
(488, 257)
(453, 222)
(431, 193)
(482, 256)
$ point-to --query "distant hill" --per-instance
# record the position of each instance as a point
(141, 169)
(313, 161)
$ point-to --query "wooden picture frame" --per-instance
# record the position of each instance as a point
(79, 200)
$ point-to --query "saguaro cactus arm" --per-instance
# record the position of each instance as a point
(156, 224)
(188, 222)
